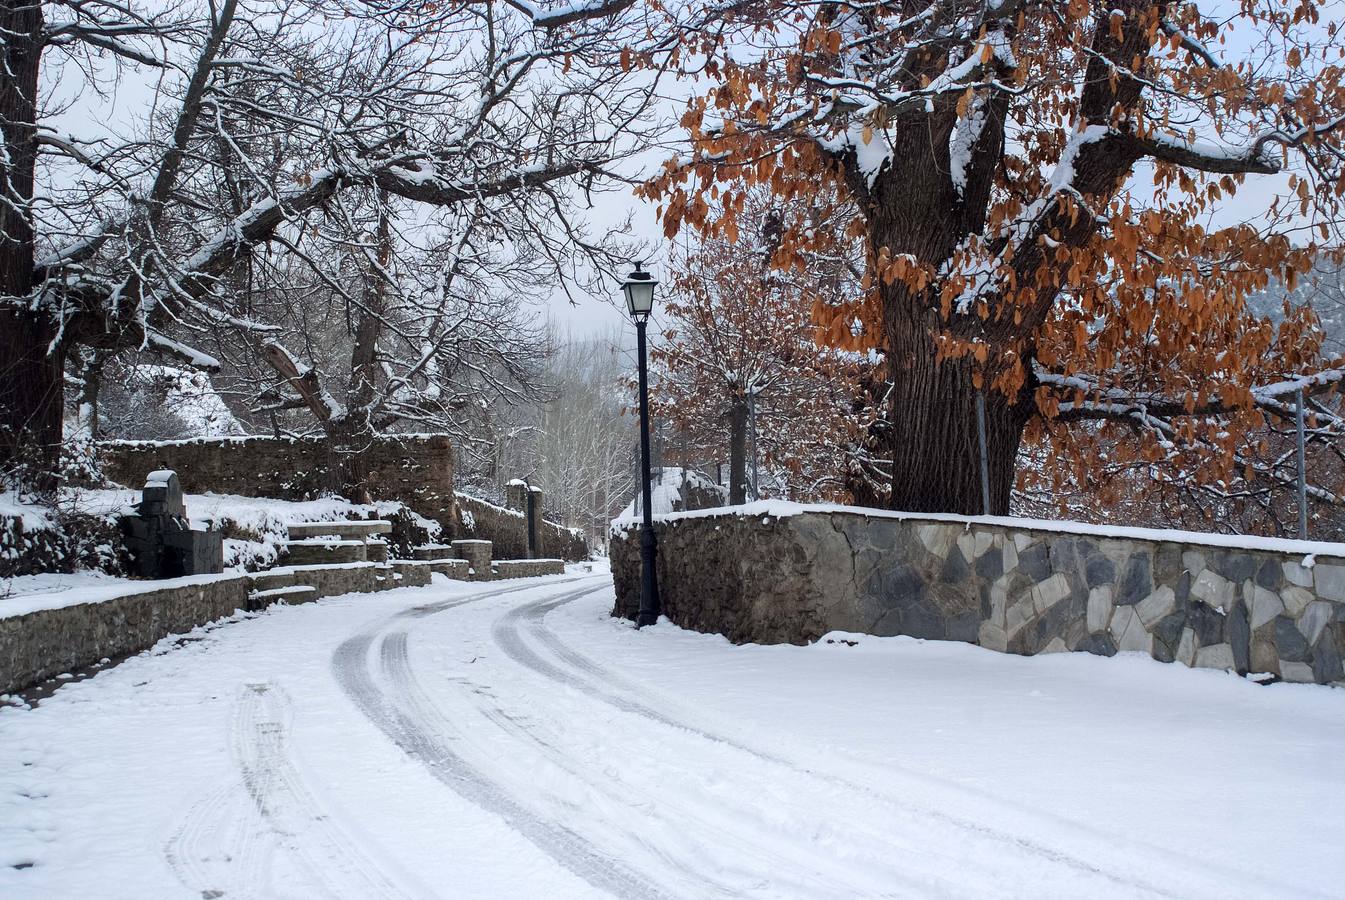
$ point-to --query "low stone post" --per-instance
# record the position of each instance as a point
(477, 553)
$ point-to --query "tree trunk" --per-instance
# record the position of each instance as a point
(350, 441)
(352, 435)
(934, 440)
(90, 387)
(738, 453)
(31, 357)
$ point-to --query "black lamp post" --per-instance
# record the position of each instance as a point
(639, 290)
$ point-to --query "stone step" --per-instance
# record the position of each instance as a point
(346, 528)
(376, 551)
(288, 595)
(412, 572)
(433, 551)
(528, 568)
(457, 569)
(335, 578)
(265, 581)
(323, 551)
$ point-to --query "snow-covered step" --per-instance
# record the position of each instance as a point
(376, 551)
(433, 551)
(290, 594)
(265, 581)
(412, 572)
(347, 528)
(323, 551)
(457, 569)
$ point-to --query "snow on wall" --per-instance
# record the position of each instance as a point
(772, 573)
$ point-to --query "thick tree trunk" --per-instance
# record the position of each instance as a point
(351, 436)
(738, 453)
(31, 358)
(350, 441)
(934, 439)
(936, 462)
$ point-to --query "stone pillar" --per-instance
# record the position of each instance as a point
(516, 495)
(477, 553)
(534, 523)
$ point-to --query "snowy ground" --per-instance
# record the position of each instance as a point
(511, 740)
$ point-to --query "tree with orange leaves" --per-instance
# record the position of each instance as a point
(996, 156)
(741, 338)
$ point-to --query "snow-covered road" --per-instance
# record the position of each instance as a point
(512, 740)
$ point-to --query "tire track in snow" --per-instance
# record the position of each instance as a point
(406, 723)
(669, 811)
(225, 846)
(218, 850)
(507, 632)
(333, 859)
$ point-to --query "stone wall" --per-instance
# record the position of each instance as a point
(415, 469)
(507, 529)
(527, 568)
(1250, 606)
(41, 644)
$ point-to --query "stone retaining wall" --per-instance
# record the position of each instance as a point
(528, 568)
(507, 530)
(415, 469)
(41, 644)
(1002, 584)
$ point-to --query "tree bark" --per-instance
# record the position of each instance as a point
(31, 356)
(90, 387)
(738, 453)
(935, 445)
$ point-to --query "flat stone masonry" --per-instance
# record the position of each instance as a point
(528, 568)
(49, 642)
(1018, 589)
(415, 469)
(477, 554)
(507, 529)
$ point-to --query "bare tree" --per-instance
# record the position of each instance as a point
(419, 162)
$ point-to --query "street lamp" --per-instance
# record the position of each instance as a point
(639, 290)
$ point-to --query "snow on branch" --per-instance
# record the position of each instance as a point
(305, 381)
(1219, 157)
(569, 13)
(190, 355)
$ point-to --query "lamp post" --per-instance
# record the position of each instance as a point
(639, 290)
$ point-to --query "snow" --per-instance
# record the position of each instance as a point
(32, 516)
(872, 148)
(260, 521)
(456, 741)
(962, 141)
(193, 398)
(780, 509)
(182, 351)
(665, 492)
